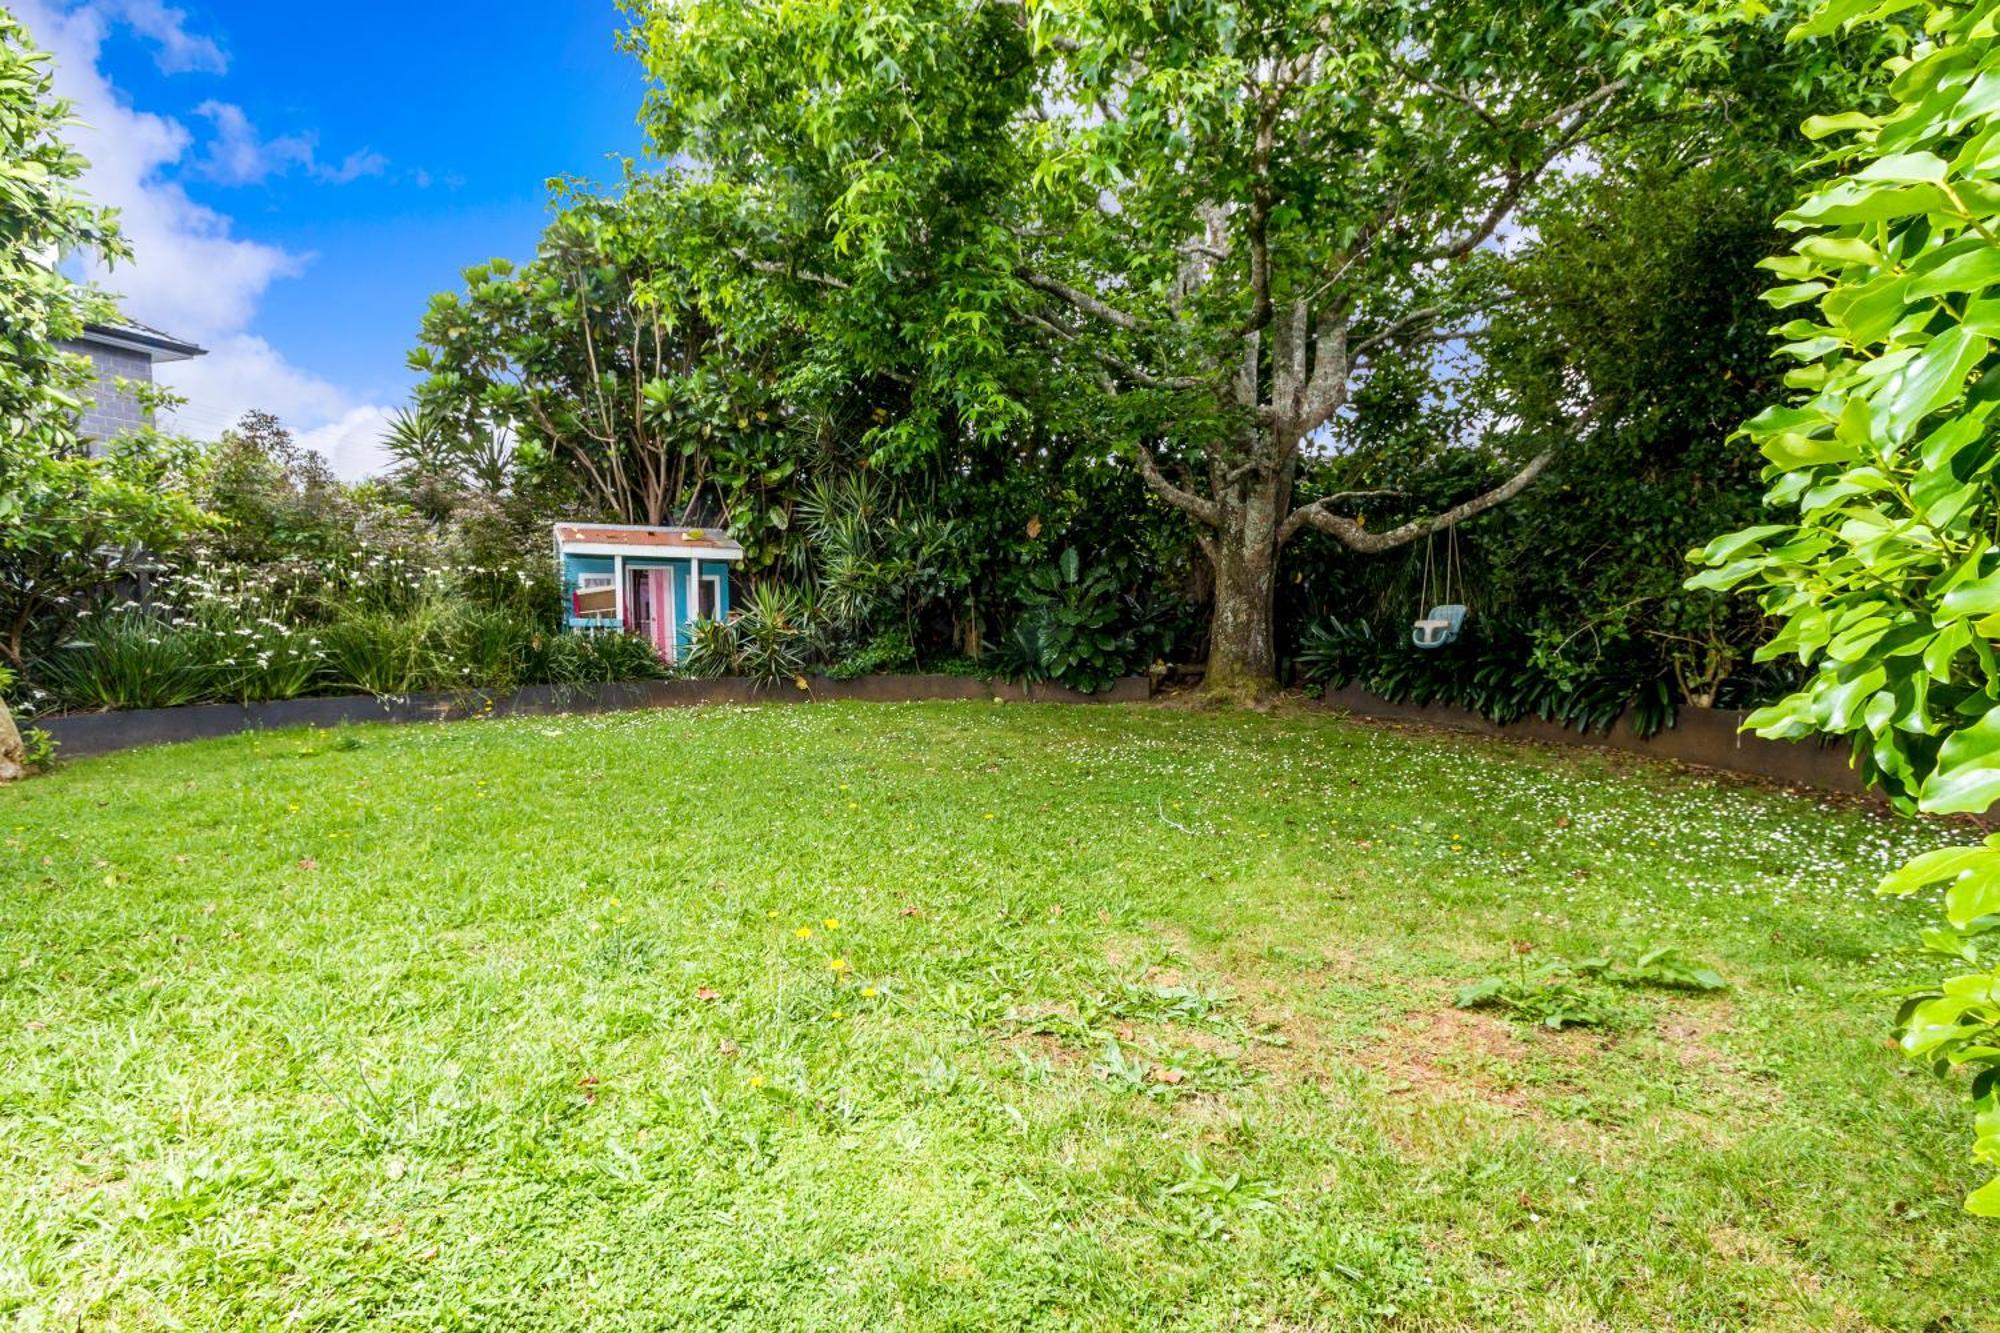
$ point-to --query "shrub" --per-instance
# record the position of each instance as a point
(1071, 628)
(774, 634)
(126, 661)
(589, 659)
(713, 649)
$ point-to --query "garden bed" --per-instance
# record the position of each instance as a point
(1712, 738)
(79, 735)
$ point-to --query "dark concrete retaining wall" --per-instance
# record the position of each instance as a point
(1702, 736)
(83, 734)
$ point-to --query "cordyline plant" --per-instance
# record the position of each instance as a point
(1888, 576)
(1207, 218)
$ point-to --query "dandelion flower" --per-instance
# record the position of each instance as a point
(756, 1080)
(771, 915)
(837, 964)
(831, 923)
(803, 932)
(869, 992)
(836, 1014)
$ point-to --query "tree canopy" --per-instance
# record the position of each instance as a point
(1211, 218)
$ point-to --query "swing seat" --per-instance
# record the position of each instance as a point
(1439, 628)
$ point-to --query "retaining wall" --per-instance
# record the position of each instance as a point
(80, 735)
(1704, 736)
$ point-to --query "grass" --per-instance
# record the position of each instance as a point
(1144, 1020)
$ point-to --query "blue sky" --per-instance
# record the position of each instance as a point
(297, 180)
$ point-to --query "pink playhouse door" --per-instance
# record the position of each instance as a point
(649, 610)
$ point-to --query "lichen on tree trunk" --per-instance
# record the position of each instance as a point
(13, 754)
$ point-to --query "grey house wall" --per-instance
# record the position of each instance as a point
(111, 411)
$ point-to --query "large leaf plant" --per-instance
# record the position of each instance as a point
(1885, 576)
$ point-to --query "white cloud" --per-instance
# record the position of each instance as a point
(238, 155)
(353, 444)
(190, 274)
(361, 162)
(177, 51)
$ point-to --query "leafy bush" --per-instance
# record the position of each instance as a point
(891, 650)
(713, 649)
(38, 748)
(126, 661)
(774, 634)
(1501, 669)
(1881, 467)
(589, 659)
(1072, 628)
(381, 652)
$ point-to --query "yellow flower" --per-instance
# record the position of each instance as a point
(831, 923)
(293, 808)
(804, 932)
(756, 1080)
(869, 992)
(836, 1014)
(771, 915)
(837, 964)
(612, 901)
(989, 814)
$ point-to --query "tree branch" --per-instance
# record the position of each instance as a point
(1144, 379)
(1194, 506)
(1357, 538)
(772, 266)
(1394, 330)
(1081, 300)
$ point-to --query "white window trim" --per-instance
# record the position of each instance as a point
(714, 580)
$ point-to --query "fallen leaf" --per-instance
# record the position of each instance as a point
(728, 1047)
(910, 909)
(707, 993)
(307, 863)
(1162, 1074)
(1125, 1033)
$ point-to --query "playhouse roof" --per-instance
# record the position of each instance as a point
(633, 539)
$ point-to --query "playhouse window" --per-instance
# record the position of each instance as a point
(592, 581)
(709, 605)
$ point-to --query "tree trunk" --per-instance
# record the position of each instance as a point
(13, 755)
(1242, 641)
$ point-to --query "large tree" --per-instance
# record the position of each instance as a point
(595, 357)
(1213, 214)
(68, 518)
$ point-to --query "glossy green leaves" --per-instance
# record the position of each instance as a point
(1887, 579)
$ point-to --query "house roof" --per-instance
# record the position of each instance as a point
(131, 335)
(632, 539)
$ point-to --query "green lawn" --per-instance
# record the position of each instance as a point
(1144, 1020)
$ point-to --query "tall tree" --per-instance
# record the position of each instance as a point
(1216, 214)
(595, 360)
(66, 517)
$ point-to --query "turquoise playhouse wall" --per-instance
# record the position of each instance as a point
(681, 575)
(573, 567)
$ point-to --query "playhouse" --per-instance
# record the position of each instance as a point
(653, 582)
